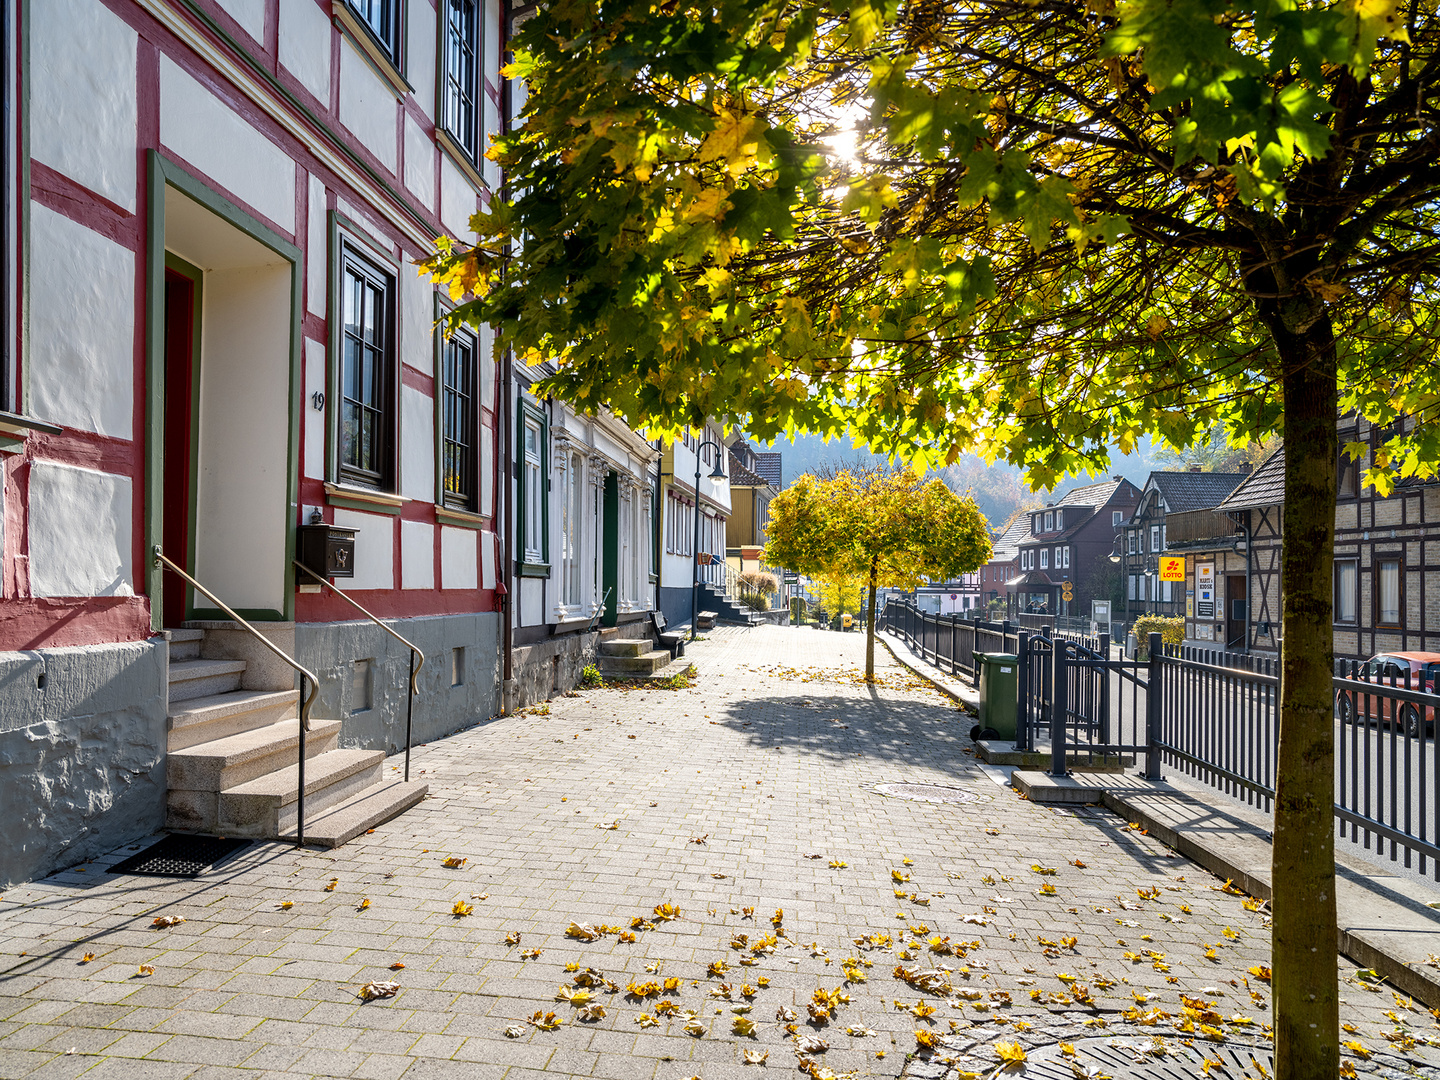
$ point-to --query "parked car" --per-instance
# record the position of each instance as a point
(1423, 672)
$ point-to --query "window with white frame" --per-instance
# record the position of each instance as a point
(1059, 519)
(1347, 583)
(1134, 587)
(1049, 521)
(1066, 552)
(534, 515)
(1044, 558)
(1155, 538)
(1387, 592)
(1117, 518)
(572, 528)
(1132, 541)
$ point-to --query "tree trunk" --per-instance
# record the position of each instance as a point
(1304, 941)
(870, 622)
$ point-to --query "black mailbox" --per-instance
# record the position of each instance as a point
(326, 550)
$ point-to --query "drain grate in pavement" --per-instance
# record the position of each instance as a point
(931, 793)
(181, 856)
(1146, 1058)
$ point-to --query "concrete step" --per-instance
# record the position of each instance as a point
(705, 620)
(627, 647)
(659, 675)
(217, 716)
(203, 678)
(643, 664)
(226, 763)
(266, 806)
(185, 644)
(346, 820)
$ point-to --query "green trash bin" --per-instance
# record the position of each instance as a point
(999, 695)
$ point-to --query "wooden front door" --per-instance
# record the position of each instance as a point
(1235, 612)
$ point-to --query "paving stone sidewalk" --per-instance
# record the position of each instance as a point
(717, 799)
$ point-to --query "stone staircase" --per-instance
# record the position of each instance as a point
(637, 658)
(726, 606)
(232, 768)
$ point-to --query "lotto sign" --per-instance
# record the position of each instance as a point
(1172, 568)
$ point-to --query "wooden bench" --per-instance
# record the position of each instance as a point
(673, 643)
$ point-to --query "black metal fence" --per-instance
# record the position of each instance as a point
(1214, 716)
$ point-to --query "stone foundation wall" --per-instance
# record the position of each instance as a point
(442, 706)
(82, 753)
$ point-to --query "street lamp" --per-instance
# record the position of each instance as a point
(718, 473)
(1118, 554)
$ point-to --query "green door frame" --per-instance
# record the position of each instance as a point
(163, 174)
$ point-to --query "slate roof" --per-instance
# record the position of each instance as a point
(1187, 490)
(768, 466)
(740, 476)
(1007, 545)
(1092, 495)
(1264, 487)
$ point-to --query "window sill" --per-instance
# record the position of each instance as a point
(461, 159)
(15, 429)
(534, 569)
(448, 515)
(361, 37)
(358, 498)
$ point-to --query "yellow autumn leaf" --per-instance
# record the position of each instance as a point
(89, 956)
(364, 904)
(333, 882)
(743, 1025)
(735, 141)
(666, 912)
(1043, 870)
(145, 970)
(926, 1040)
(1011, 1053)
(454, 862)
(1260, 971)
(546, 1021)
(755, 1057)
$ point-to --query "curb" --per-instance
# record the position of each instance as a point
(953, 695)
(1368, 944)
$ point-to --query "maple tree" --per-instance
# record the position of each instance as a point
(885, 526)
(1027, 228)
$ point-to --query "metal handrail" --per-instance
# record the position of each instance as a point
(306, 701)
(414, 687)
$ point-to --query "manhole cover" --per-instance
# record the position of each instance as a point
(180, 856)
(1143, 1057)
(931, 793)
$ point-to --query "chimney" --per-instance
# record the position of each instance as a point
(1195, 466)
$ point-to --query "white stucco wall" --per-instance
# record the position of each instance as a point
(202, 130)
(243, 464)
(250, 14)
(81, 528)
(317, 260)
(417, 445)
(457, 200)
(487, 469)
(374, 549)
(82, 96)
(494, 16)
(488, 549)
(420, 39)
(314, 418)
(305, 46)
(417, 555)
(417, 319)
(82, 326)
(367, 105)
(419, 162)
(458, 558)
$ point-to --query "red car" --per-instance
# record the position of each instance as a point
(1423, 669)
